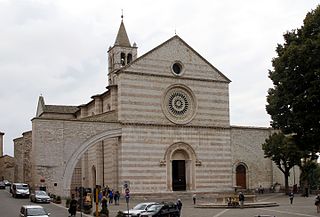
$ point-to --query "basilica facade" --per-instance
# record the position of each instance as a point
(162, 125)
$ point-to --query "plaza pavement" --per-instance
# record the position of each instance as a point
(302, 206)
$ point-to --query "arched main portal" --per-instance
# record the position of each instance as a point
(241, 176)
(180, 159)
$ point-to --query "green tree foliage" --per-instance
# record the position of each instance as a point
(283, 151)
(294, 101)
(310, 174)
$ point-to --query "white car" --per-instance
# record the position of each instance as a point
(33, 210)
(138, 209)
(20, 189)
(39, 197)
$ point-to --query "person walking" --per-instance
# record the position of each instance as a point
(241, 199)
(116, 198)
(291, 196)
(179, 205)
(111, 196)
(317, 202)
(73, 206)
(194, 198)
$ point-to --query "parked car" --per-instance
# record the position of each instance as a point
(20, 189)
(39, 197)
(2, 185)
(33, 210)
(141, 207)
(6, 182)
(161, 210)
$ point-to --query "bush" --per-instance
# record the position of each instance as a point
(68, 200)
(58, 199)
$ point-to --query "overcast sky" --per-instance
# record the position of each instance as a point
(58, 48)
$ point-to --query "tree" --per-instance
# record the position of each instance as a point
(283, 151)
(294, 101)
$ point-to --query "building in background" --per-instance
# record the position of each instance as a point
(6, 163)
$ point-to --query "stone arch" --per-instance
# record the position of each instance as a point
(181, 151)
(241, 175)
(76, 156)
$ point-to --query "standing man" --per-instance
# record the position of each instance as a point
(194, 198)
(241, 199)
(179, 205)
(317, 202)
(73, 206)
(291, 195)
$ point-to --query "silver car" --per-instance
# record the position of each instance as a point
(20, 189)
(39, 197)
(33, 210)
(139, 208)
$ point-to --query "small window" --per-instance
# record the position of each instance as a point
(129, 58)
(177, 68)
(123, 59)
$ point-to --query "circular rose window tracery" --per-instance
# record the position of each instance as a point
(178, 104)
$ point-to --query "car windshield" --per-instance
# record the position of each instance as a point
(41, 193)
(24, 187)
(36, 211)
(154, 208)
(140, 206)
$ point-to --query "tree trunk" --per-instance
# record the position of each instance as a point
(286, 182)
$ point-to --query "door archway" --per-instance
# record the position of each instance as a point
(241, 176)
(180, 160)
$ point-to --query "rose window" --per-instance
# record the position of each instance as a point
(179, 104)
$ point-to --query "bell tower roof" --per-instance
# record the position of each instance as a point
(122, 37)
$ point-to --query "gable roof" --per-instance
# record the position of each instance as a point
(60, 109)
(187, 45)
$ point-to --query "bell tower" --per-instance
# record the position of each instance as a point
(121, 54)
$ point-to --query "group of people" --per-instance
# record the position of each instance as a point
(110, 195)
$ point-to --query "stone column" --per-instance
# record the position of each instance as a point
(1, 144)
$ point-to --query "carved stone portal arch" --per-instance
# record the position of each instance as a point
(183, 152)
(241, 175)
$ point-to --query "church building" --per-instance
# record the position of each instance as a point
(162, 125)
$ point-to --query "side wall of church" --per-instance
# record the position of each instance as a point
(22, 159)
(111, 157)
(103, 156)
(246, 145)
(7, 168)
(144, 147)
